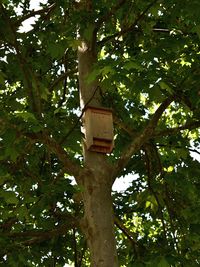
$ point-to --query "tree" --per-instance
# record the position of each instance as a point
(139, 58)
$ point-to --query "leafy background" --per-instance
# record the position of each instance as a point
(147, 51)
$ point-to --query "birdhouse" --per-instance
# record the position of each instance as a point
(99, 135)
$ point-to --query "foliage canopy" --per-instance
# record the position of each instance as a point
(148, 72)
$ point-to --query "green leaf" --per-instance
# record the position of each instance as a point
(9, 196)
(11, 152)
(133, 65)
(56, 50)
(195, 228)
(22, 212)
(45, 94)
(9, 137)
(92, 76)
(165, 86)
(4, 177)
(163, 263)
(2, 78)
(107, 70)
(74, 43)
(197, 30)
(27, 116)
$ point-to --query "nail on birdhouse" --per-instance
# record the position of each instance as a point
(99, 133)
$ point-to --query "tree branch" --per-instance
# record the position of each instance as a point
(70, 166)
(175, 146)
(34, 13)
(7, 225)
(139, 140)
(126, 231)
(33, 237)
(30, 80)
(60, 78)
(171, 131)
(126, 30)
(129, 235)
(194, 151)
(153, 159)
(109, 14)
(75, 248)
(124, 127)
(62, 100)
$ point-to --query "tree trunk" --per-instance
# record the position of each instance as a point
(98, 223)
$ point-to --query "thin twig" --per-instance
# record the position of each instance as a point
(79, 118)
(60, 78)
(35, 13)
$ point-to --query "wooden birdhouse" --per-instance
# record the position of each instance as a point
(99, 135)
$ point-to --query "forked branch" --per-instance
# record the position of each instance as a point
(142, 138)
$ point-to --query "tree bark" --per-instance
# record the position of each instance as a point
(98, 221)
